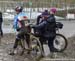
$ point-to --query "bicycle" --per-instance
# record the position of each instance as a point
(35, 49)
(60, 41)
(60, 44)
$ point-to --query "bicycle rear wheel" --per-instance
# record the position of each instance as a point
(60, 43)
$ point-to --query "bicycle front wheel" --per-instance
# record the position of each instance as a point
(36, 49)
(60, 43)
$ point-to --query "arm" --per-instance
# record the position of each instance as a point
(22, 18)
(38, 19)
(41, 25)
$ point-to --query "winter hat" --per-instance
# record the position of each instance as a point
(53, 10)
(45, 13)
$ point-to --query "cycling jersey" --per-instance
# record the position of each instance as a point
(19, 20)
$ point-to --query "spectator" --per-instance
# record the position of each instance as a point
(1, 21)
(47, 29)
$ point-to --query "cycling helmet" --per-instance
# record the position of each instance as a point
(19, 8)
(53, 10)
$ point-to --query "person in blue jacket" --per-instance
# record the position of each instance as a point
(19, 26)
(47, 28)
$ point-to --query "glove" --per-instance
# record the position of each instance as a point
(18, 29)
(32, 26)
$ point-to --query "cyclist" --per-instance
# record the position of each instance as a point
(19, 25)
(48, 29)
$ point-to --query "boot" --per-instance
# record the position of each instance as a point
(14, 47)
(13, 52)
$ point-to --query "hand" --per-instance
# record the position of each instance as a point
(18, 29)
(28, 24)
(32, 26)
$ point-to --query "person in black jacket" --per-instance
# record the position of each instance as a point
(1, 20)
(48, 29)
(40, 19)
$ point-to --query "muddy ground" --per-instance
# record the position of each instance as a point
(68, 53)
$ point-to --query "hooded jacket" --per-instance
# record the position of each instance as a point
(47, 28)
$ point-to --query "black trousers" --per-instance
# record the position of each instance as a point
(42, 41)
(22, 35)
(50, 43)
(1, 31)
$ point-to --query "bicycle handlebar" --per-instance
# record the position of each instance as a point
(59, 25)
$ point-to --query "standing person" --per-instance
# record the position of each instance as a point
(47, 29)
(44, 15)
(1, 21)
(20, 27)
